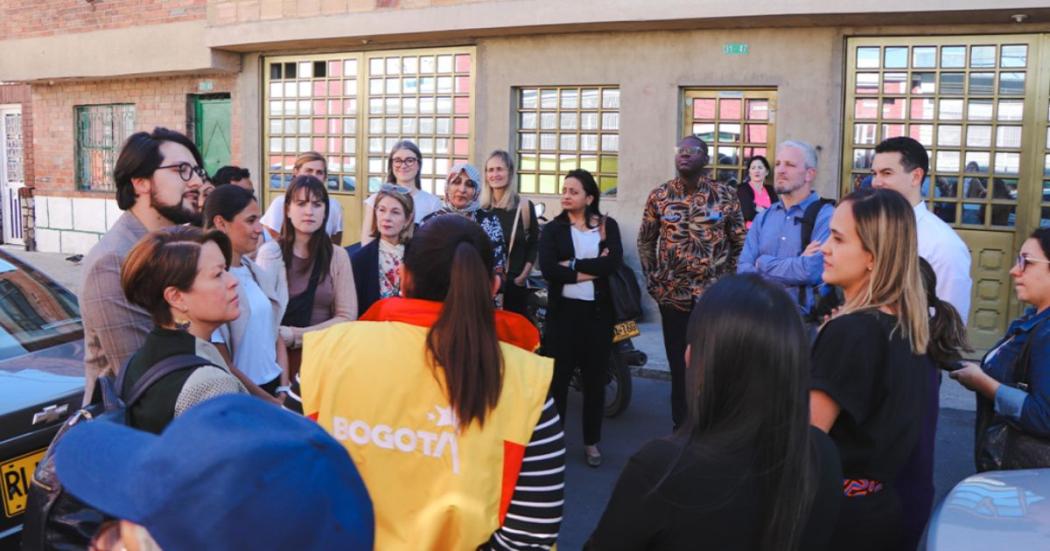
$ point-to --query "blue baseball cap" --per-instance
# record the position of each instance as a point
(231, 473)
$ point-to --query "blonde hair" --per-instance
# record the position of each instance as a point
(510, 199)
(406, 203)
(886, 226)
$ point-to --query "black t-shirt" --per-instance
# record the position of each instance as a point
(708, 503)
(865, 364)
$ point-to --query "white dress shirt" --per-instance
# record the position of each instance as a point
(947, 253)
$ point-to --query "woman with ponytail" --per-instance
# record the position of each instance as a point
(579, 249)
(443, 405)
(947, 345)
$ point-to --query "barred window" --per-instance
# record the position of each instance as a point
(561, 128)
(101, 132)
(353, 107)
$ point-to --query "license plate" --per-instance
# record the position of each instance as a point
(625, 330)
(16, 475)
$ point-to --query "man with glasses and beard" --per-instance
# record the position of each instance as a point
(691, 234)
(158, 177)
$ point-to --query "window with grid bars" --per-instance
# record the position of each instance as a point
(561, 128)
(964, 102)
(353, 107)
(736, 124)
(101, 132)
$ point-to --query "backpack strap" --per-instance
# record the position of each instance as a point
(808, 221)
(162, 369)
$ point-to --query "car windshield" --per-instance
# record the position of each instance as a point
(35, 312)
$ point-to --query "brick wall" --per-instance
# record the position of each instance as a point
(224, 12)
(158, 102)
(35, 18)
(21, 94)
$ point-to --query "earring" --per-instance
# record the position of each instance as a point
(182, 322)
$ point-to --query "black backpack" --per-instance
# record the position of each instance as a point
(824, 300)
(55, 519)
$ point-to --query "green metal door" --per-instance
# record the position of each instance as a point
(212, 129)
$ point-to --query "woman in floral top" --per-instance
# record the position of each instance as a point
(377, 265)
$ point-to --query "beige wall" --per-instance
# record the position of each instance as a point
(164, 49)
(651, 69)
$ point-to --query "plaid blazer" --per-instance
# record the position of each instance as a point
(114, 329)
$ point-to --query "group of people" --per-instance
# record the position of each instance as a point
(800, 428)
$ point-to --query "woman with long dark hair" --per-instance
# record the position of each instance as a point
(316, 279)
(443, 405)
(870, 370)
(946, 347)
(756, 193)
(313, 164)
(746, 470)
(578, 251)
(252, 339)
(404, 167)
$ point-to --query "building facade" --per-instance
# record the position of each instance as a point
(607, 86)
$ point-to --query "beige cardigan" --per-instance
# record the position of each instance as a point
(269, 258)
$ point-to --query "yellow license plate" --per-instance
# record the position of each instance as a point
(625, 330)
(16, 476)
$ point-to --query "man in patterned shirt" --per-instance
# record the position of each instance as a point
(691, 234)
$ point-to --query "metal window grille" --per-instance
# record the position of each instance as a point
(101, 132)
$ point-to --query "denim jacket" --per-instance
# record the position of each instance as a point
(1028, 406)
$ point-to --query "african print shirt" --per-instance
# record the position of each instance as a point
(687, 241)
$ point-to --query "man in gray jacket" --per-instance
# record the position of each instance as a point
(158, 176)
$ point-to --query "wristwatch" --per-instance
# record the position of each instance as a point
(283, 389)
(572, 264)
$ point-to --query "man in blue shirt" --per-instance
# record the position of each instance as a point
(773, 246)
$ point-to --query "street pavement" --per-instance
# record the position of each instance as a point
(588, 489)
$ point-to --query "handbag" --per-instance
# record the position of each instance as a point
(54, 519)
(999, 443)
(624, 290)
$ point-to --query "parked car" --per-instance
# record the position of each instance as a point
(41, 378)
(994, 510)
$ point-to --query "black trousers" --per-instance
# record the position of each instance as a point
(674, 324)
(581, 336)
(515, 298)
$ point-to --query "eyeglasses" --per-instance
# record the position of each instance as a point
(394, 188)
(186, 171)
(1023, 261)
(407, 161)
(690, 151)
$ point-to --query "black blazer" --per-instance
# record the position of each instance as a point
(747, 199)
(556, 246)
(365, 264)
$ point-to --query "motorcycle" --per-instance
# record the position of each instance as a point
(624, 355)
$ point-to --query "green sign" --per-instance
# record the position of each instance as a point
(735, 48)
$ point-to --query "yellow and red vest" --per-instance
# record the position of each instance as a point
(433, 484)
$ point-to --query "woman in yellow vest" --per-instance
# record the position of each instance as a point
(442, 404)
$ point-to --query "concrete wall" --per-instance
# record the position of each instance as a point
(652, 69)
